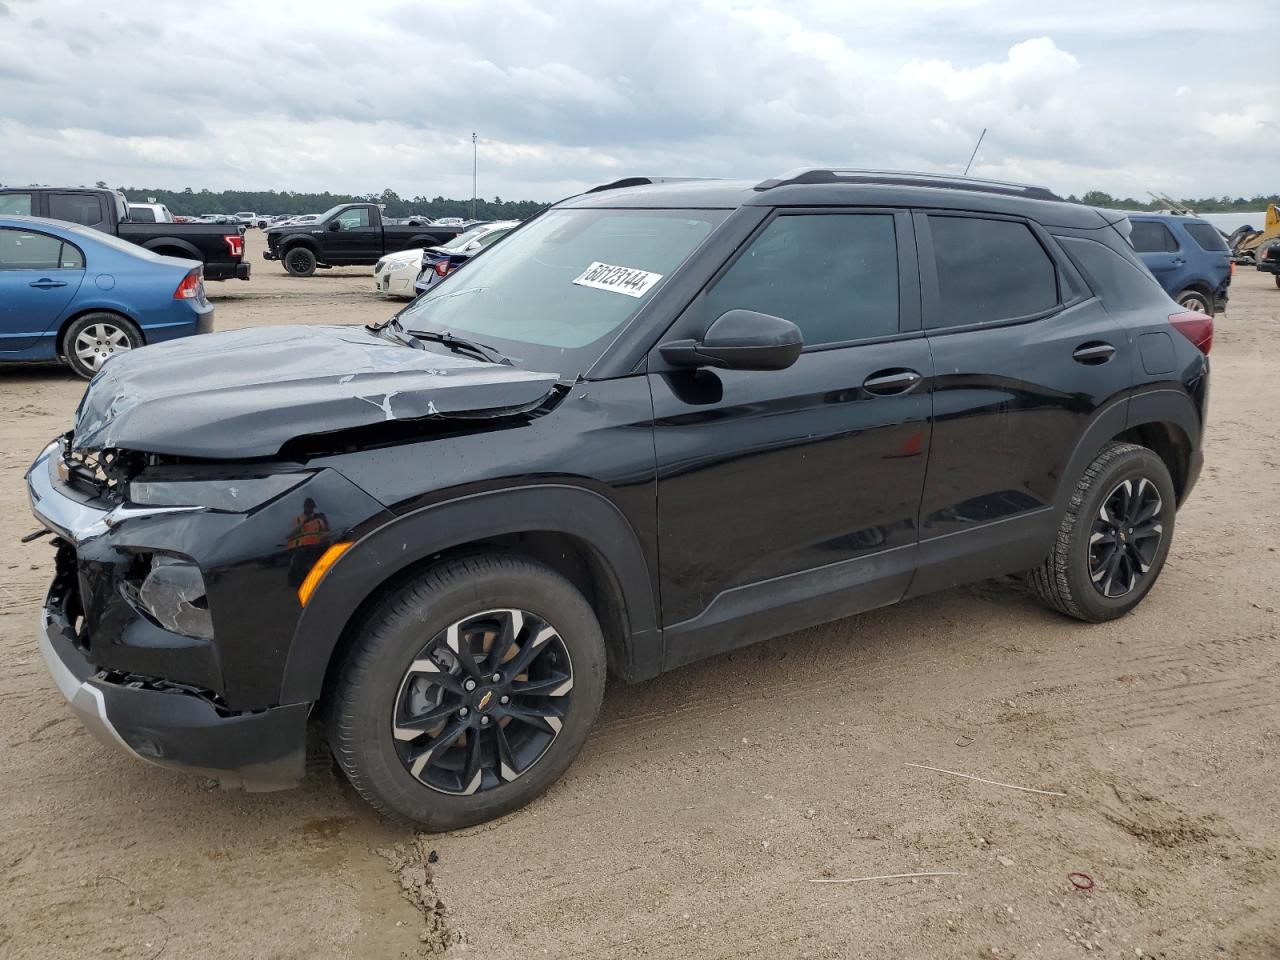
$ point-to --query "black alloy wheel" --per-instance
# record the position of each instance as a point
(483, 701)
(1125, 537)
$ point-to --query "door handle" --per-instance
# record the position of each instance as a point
(1093, 354)
(44, 283)
(1178, 261)
(888, 383)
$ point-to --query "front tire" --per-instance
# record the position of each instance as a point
(1113, 538)
(468, 692)
(300, 261)
(95, 338)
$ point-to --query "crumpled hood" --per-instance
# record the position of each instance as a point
(245, 393)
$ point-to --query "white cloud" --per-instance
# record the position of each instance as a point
(322, 95)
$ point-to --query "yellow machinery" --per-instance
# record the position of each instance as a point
(1247, 244)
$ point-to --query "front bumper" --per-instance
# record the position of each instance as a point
(158, 695)
(264, 750)
(270, 255)
(1269, 266)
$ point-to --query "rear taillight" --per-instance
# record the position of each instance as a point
(442, 268)
(1196, 327)
(235, 243)
(189, 288)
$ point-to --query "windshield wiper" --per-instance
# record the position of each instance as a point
(462, 345)
(394, 331)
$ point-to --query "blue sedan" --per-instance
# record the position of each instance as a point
(70, 292)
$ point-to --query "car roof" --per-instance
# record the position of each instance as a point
(867, 189)
(37, 223)
(1165, 217)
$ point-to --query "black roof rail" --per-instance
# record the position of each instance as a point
(901, 178)
(643, 182)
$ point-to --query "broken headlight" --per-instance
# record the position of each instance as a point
(237, 495)
(172, 592)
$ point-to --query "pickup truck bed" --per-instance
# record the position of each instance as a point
(219, 247)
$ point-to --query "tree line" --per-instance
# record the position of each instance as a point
(1223, 204)
(189, 202)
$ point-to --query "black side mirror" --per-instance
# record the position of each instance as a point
(335, 225)
(740, 340)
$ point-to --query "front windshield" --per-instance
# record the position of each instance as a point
(554, 293)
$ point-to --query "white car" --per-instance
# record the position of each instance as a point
(396, 273)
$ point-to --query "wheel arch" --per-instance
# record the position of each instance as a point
(576, 532)
(289, 243)
(174, 247)
(1165, 419)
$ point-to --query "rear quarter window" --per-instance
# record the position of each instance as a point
(1118, 282)
(1207, 237)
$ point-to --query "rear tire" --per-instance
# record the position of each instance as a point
(300, 261)
(1194, 300)
(93, 339)
(416, 742)
(1078, 578)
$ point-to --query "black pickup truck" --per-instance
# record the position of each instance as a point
(349, 234)
(220, 248)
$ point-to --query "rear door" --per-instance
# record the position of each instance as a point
(790, 497)
(39, 277)
(1161, 252)
(1025, 358)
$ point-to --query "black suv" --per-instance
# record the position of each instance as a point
(661, 420)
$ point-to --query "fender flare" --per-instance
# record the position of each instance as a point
(176, 243)
(1165, 405)
(288, 243)
(413, 537)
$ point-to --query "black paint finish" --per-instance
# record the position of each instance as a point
(697, 508)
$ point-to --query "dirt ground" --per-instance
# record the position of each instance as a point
(707, 800)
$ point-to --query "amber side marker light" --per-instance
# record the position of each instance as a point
(321, 567)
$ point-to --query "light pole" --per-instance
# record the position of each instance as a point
(475, 170)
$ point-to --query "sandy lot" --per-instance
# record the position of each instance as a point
(707, 799)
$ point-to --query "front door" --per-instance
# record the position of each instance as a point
(39, 275)
(790, 497)
(358, 239)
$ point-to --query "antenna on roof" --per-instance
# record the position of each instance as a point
(975, 152)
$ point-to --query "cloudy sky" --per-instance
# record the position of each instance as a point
(1126, 97)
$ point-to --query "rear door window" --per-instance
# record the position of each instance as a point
(25, 250)
(989, 271)
(835, 276)
(1207, 237)
(83, 208)
(1152, 236)
(15, 204)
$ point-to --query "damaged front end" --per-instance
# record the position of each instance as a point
(175, 596)
(247, 393)
(193, 515)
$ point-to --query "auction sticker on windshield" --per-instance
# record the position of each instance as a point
(628, 280)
